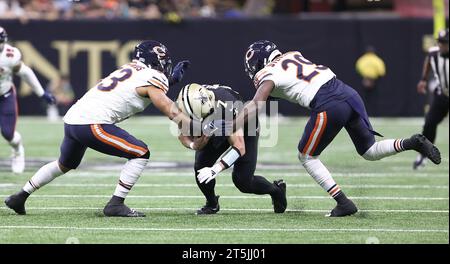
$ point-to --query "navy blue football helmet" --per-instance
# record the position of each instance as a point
(3, 35)
(443, 36)
(258, 55)
(155, 55)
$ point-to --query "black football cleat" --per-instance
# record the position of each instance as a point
(17, 201)
(209, 208)
(422, 145)
(121, 210)
(343, 209)
(279, 200)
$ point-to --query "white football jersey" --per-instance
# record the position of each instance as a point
(115, 98)
(296, 78)
(10, 57)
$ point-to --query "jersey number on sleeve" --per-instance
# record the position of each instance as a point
(123, 75)
(302, 63)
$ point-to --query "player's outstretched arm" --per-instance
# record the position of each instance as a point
(28, 75)
(229, 157)
(169, 109)
(422, 85)
(250, 110)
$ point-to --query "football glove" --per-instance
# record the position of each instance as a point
(207, 174)
(49, 98)
(178, 72)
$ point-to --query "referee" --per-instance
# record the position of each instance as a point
(437, 60)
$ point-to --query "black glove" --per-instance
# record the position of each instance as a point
(178, 72)
(49, 98)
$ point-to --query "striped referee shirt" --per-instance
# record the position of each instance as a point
(439, 64)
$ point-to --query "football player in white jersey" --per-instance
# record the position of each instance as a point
(10, 64)
(333, 104)
(90, 123)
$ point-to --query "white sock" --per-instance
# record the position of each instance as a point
(131, 172)
(44, 175)
(16, 141)
(383, 149)
(320, 174)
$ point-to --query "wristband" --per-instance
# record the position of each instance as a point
(230, 157)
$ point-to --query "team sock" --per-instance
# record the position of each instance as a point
(129, 175)
(387, 148)
(261, 185)
(44, 175)
(15, 141)
(321, 175)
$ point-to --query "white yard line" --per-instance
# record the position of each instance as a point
(155, 229)
(240, 209)
(189, 185)
(406, 174)
(237, 197)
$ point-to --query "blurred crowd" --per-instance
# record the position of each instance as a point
(176, 10)
(132, 9)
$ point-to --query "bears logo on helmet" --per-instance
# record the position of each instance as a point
(155, 55)
(258, 55)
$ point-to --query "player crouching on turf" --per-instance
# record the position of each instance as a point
(11, 63)
(333, 105)
(90, 123)
(217, 106)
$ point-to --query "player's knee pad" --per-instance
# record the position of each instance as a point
(372, 153)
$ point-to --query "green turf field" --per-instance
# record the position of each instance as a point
(397, 204)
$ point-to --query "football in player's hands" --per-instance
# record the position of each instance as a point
(200, 142)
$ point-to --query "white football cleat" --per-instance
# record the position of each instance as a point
(18, 160)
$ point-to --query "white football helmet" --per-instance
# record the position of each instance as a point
(196, 101)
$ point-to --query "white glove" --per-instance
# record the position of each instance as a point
(208, 173)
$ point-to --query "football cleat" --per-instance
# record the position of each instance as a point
(209, 208)
(17, 201)
(419, 162)
(422, 145)
(18, 159)
(121, 210)
(343, 209)
(279, 200)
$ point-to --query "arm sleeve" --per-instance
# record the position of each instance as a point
(28, 75)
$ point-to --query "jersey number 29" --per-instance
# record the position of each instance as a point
(302, 63)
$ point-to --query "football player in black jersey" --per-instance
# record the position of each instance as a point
(217, 106)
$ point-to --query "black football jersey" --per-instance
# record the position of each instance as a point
(227, 106)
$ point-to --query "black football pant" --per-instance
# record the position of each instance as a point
(243, 170)
(438, 111)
